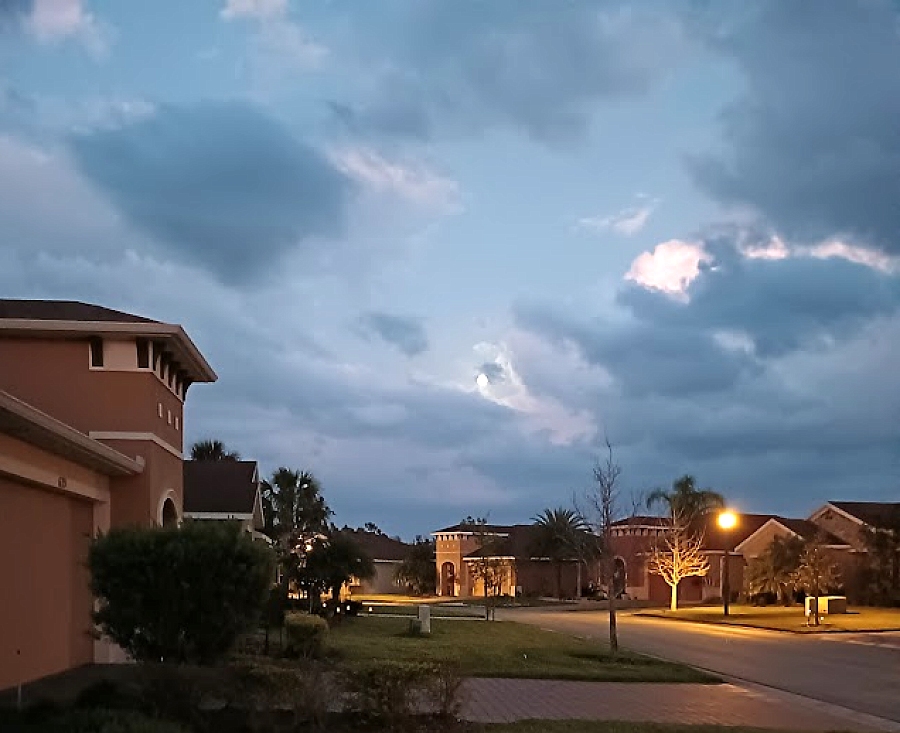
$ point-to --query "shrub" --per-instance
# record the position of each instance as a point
(306, 692)
(444, 684)
(178, 594)
(305, 635)
(386, 692)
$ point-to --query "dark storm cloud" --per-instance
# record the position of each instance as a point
(814, 142)
(404, 332)
(223, 185)
(12, 12)
(533, 65)
(782, 305)
(645, 358)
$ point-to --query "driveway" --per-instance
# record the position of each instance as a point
(856, 671)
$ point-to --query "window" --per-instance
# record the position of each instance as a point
(159, 410)
(143, 353)
(176, 422)
(96, 352)
(169, 417)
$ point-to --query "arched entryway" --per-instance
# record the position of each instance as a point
(169, 514)
(448, 579)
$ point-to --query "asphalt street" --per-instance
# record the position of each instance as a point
(857, 671)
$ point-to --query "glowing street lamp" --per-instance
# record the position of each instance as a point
(727, 521)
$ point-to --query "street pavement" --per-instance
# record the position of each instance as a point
(860, 672)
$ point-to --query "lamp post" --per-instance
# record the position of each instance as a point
(727, 521)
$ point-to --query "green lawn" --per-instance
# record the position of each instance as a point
(499, 649)
(600, 726)
(788, 619)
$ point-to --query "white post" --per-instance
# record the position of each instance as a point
(425, 618)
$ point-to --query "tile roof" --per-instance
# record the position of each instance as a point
(377, 545)
(874, 513)
(225, 487)
(64, 310)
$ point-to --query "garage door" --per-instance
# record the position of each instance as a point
(45, 610)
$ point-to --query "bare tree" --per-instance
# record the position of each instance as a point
(484, 564)
(678, 555)
(603, 498)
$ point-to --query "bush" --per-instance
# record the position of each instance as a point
(392, 692)
(306, 692)
(386, 692)
(444, 683)
(305, 635)
(178, 594)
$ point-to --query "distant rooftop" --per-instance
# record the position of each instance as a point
(880, 514)
(220, 487)
(64, 310)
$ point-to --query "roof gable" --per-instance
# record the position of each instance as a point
(879, 514)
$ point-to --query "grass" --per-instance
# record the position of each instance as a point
(500, 649)
(602, 726)
(779, 618)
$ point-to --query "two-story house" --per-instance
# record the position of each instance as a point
(91, 426)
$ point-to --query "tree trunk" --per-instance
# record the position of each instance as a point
(674, 604)
(613, 628)
(487, 608)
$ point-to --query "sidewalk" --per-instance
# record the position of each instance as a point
(508, 700)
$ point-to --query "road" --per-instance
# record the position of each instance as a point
(856, 671)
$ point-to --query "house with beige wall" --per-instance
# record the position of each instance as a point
(91, 426)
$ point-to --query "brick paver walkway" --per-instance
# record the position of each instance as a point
(507, 700)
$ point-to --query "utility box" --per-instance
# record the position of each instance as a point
(425, 619)
(828, 605)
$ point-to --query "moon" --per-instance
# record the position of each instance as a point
(482, 380)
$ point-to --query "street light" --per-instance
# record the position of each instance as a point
(727, 521)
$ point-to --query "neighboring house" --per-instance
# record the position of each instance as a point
(510, 548)
(91, 411)
(225, 491)
(387, 554)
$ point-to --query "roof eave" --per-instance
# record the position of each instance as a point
(48, 433)
(201, 371)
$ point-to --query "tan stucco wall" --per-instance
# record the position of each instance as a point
(453, 551)
(54, 376)
(137, 499)
(45, 616)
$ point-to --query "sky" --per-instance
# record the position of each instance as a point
(439, 252)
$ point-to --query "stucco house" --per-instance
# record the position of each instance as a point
(511, 549)
(387, 554)
(91, 436)
(225, 491)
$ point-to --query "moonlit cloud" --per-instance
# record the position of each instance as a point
(254, 9)
(412, 182)
(671, 267)
(627, 222)
(54, 20)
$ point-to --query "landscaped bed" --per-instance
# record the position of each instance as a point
(791, 618)
(499, 649)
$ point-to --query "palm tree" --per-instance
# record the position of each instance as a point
(562, 534)
(685, 503)
(213, 450)
(293, 505)
(773, 572)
